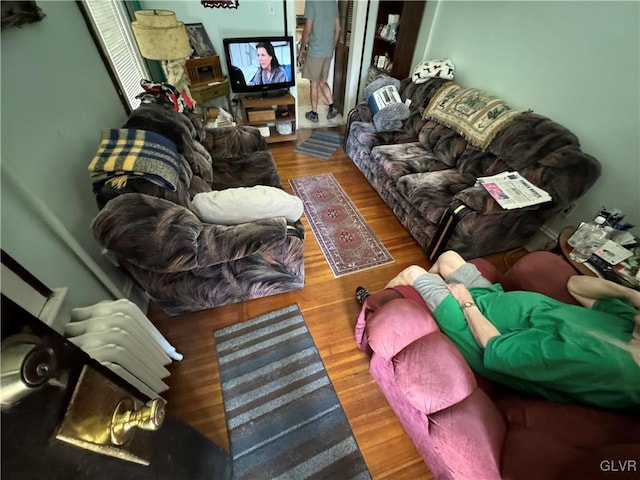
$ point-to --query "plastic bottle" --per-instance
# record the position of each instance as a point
(593, 236)
(581, 233)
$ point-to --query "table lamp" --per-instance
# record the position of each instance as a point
(160, 36)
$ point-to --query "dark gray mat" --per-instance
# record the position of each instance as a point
(321, 144)
(283, 415)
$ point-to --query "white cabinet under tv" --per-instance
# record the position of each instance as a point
(271, 113)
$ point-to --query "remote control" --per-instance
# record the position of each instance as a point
(606, 270)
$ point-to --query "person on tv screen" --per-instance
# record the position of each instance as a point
(270, 70)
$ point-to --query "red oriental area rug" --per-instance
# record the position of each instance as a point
(345, 239)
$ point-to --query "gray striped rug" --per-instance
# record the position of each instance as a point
(321, 144)
(283, 415)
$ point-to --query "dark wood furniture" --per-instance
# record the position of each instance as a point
(565, 248)
(205, 94)
(400, 51)
(260, 112)
(203, 70)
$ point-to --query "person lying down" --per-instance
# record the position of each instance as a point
(533, 343)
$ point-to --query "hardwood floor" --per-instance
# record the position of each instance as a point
(330, 310)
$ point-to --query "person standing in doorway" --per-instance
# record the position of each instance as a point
(319, 38)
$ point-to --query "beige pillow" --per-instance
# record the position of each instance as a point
(246, 204)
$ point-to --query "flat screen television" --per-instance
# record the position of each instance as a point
(248, 59)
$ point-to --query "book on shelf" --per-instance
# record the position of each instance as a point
(511, 190)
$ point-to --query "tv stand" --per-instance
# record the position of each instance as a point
(269, 112)
(269, 94)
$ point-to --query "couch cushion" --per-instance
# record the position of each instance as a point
(246, 204)
(576, 425)
(469, 437)
(426, 190)
(258, 168)
(367, 135)
(404, 158)
(236, 142)
(423, 370)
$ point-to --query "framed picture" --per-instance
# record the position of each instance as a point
(199, 40)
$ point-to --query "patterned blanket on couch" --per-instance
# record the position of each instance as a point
(125, 153)
(473, 113)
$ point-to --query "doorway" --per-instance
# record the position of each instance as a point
(338, 73)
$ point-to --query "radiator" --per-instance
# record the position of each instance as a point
(121, 337)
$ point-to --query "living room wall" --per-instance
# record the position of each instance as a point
(577, 63)
(251, 18)
(56, 98)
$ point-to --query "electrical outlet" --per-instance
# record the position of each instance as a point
(271, 8)
(566, 211)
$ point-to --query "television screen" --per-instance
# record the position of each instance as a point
(261, 65)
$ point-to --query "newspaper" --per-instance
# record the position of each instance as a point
(511, 190)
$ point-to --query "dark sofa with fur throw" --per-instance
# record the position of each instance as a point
(427, 169)
(183, 263)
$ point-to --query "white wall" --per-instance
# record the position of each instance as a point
(56, 97)
(251, 18)
(576, 62)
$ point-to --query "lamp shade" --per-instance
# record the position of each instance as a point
(160, 35)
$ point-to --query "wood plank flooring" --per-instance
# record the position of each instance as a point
(330, 310)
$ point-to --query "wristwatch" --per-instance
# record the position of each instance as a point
(466, 305)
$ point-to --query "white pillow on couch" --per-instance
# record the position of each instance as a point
(246, 204)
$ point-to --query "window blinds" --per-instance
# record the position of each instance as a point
(113, 28)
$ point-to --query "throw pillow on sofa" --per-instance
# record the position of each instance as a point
(433, 69)
(246, 204)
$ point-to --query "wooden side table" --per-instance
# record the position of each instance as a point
(203, 94)
(566, 249)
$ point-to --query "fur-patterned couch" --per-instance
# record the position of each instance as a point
(183, 263)
(426, 169)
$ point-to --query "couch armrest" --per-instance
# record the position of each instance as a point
(361, 113)
(479, 200)
(389, 322)
(487, 270)
(157, 235)
(542, 272)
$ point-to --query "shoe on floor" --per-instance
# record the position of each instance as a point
(311, 116)
(332, 113)
(361, 294)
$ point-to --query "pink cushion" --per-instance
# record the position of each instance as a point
(431, 387)
(469, 436)
(397, 324)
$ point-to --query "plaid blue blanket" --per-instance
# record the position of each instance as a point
(135, 153)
